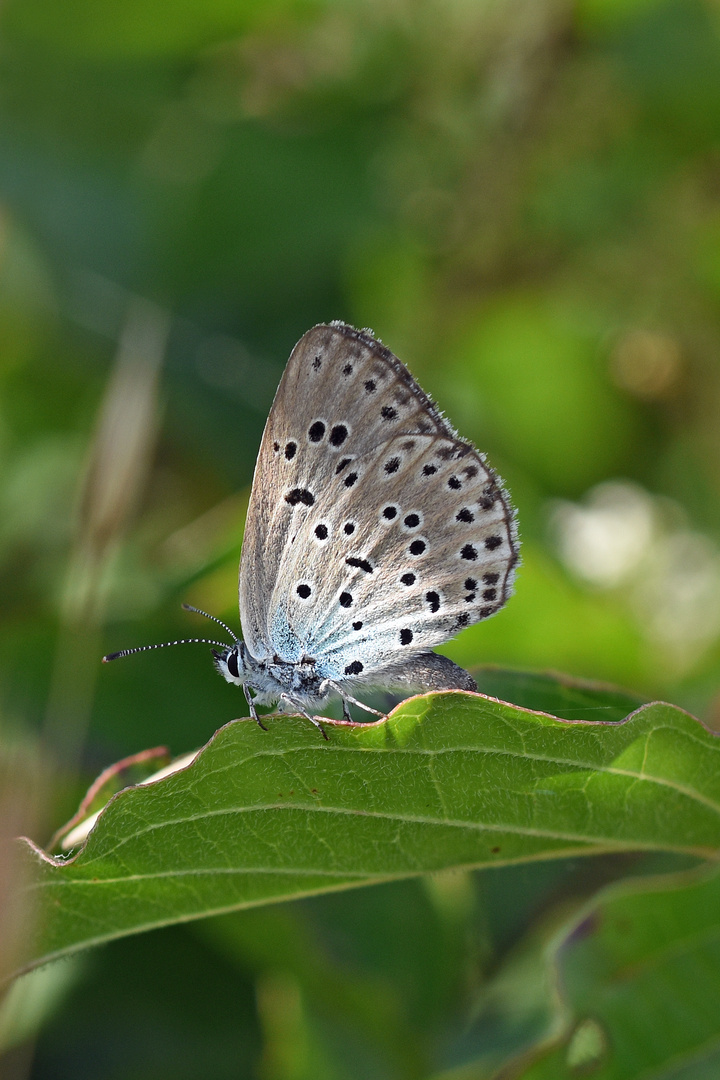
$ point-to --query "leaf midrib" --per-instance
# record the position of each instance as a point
(584, 839)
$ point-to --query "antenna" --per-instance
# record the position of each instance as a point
(163, 645)
(199, 611)
(182, 641)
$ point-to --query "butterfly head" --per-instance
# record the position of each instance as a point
(232, 663)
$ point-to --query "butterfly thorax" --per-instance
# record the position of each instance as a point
(271, 678)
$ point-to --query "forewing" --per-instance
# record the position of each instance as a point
(373, 531)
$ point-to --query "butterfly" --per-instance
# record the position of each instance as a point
(373, 534)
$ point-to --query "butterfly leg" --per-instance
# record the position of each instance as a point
(251, 707)
(347, 715)
(328, 684)
(298, 708)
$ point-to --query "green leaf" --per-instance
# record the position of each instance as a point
(448, 780)
(640, 976)
(562, 696)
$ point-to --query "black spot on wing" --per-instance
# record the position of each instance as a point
(338, 435)
(359, 564)
(300, 495)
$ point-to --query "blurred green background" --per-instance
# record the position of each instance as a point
(522, 198)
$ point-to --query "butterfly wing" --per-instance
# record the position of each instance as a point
(373, 531)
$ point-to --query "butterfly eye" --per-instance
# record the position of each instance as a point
(232, 663)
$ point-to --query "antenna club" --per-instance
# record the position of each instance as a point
(205, 614)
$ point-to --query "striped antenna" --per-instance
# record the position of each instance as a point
(163, 645)
(183, 641)
(199, 611)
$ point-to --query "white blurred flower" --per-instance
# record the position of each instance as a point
(623, 538)
(677, 597)
(604, 540)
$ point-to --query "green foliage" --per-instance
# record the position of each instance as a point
(636, 977)
(522, 200)
(447, 781)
